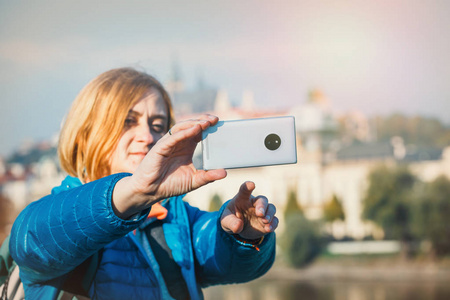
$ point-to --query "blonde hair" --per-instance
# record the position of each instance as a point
(96, 119)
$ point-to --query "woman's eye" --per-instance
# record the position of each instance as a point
(129, 122)
(158, 128)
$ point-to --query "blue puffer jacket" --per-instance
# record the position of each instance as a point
(57, 233)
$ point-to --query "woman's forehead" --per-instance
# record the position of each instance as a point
(151, 103)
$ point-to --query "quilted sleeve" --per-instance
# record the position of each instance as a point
(222, 259)
(57, 233)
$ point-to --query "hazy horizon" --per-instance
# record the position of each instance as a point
(376, 57)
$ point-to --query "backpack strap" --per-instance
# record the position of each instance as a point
(76, 285)
(10, 284)
(7, 263)
(13, 288)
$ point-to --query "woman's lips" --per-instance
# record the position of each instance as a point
(139, 153)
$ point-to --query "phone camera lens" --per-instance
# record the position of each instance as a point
(272, 141)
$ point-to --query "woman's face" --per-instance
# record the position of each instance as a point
(145, 124)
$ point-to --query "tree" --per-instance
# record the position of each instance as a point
(431, 215)
(333, 210)
(292, 205)
(301, 241)
(388, 203)
(215, 203)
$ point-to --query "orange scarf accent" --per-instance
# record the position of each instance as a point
(158, 211)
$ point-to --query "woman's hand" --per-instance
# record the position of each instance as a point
(167, 169)
(250, 217)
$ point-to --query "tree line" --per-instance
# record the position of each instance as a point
(417, 130)
(409, 209)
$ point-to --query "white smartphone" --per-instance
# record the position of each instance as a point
(249, 143)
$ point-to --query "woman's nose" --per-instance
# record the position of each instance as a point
(144, 135)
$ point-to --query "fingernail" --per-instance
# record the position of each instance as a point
(261, 210)
(270, 227)
(268, 218)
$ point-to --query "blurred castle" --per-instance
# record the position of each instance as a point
(329, 162)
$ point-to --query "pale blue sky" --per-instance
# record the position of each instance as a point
(375, 56)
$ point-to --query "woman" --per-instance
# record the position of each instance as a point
(129, 167)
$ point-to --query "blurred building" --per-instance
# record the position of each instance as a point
(331, 161)
(327, 165)
(355, 127)
(30, 174)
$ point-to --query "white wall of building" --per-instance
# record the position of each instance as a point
(315, 184)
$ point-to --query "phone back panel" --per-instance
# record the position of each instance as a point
(242, 143)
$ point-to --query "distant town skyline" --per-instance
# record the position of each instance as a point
(377, 57)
